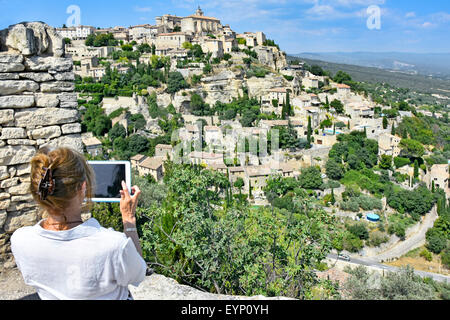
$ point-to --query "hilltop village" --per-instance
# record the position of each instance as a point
(214, 67)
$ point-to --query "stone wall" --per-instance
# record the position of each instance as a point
(38, 107)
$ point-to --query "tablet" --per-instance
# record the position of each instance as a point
(108, 179)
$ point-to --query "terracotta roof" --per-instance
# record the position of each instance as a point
(91, 142)
(152, 163)
(281, 90)
(202, 17)
(211, 128)
(137, 157)
(342, 86)
(164, 146)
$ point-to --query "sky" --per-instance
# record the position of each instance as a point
(296, 25)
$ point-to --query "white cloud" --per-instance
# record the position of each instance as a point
(142, 9)
(410, 15)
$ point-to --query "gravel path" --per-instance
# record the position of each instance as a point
(12, 286)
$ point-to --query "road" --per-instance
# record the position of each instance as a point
(374, 264)
(413, 241)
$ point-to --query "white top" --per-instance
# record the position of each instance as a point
(88, 262)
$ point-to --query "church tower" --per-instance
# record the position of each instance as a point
(199, 12)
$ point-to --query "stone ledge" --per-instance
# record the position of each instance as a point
(158, 287)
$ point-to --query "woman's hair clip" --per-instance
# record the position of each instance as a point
(47, 184)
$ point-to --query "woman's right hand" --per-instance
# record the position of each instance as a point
(128, 204)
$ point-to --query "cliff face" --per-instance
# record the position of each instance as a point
(38, 107)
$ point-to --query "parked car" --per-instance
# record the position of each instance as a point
(343, 257)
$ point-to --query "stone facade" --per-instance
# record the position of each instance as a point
(38, 107)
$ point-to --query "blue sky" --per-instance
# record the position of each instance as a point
(297, 25)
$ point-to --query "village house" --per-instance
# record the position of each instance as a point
(278, 94)
(204, 158)
(93, 146)
(152, 166)
(172, 40)
(439, 175)
(76, 33)
(164, 151)
(136, 160)
(213, 135)
(310, 83)
(388, 144)
(325, 139)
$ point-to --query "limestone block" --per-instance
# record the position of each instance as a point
(65, 76)
(11, 67)
(68, 100)
(9, 183)
(13, 133)
(23, 169)
(21, 38)
(71, 141)
(4, 174)
(27, 197)
(4, 196)
(9, 76)
(71, 128)
(58, 86)
(18, 220)
(9, 87)
(20, 189)
(37, 76)
(10, 58)
(20, 206)
(12, 171)
(21, 142)
(16, 101)
(35, 117)
(46, 132)
(4, 204)
(48, 64)
(11, 155)
(3, 215)
(6, 116)
(46, 100)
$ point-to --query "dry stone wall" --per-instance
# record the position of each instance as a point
(38, 107)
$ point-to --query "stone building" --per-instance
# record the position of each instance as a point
(37, 108)
(76, 33)
(200, 25)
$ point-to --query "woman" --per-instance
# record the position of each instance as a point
(64, 257)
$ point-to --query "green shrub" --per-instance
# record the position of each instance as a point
(401, 162)
(426, 254)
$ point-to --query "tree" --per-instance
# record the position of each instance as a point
(416, 169)
(117, 131)
(309, 133)
(412, 148)
(311, 178)
(338, 106)
(385, 123)
(334, 169)
(342, 77)
(359, 230)
(239, 183)
(176, 82)
(386, 162)
(393, 132)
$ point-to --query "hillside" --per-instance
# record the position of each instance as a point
(417, 83)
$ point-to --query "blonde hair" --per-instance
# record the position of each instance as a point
(69, 171)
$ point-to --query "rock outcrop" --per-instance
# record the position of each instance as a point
(38, 107)
(158, 287)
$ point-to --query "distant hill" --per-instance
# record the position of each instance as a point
(419, 83)
(428, 64)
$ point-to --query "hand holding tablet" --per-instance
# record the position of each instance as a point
(109, 176)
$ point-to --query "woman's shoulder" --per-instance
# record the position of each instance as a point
(113, 236)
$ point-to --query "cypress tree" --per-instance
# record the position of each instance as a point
(309, 131)
(385, 123)
(416, 169)
(393, 130)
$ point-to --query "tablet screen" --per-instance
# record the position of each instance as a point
(109, 179)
